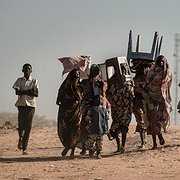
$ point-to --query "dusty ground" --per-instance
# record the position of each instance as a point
(45, 162)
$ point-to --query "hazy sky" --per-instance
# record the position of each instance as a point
(39, 31)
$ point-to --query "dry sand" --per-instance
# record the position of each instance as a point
(45, 162)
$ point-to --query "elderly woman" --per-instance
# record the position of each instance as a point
(69, 115)
(159, 80)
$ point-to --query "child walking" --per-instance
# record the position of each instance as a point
(98, 126)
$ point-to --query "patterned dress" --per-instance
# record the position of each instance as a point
(70, 113)
(159, 99)
(121, 100)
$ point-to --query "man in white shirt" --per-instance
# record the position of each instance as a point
(27, 89)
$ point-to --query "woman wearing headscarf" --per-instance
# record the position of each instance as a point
(159, 80)
(69, 115)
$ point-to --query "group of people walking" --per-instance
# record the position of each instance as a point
(82, 116)
(86, 105)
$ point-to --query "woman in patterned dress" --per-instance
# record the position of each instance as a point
(159, 80)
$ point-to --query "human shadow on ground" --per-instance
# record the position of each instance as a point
(27, 158)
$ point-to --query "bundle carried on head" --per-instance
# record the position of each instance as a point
(80, 62)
